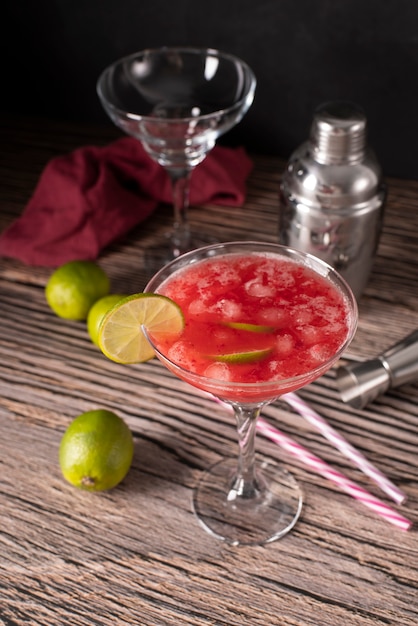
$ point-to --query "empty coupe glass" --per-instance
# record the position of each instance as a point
(177, 102)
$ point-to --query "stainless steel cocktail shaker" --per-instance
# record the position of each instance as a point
(332, 194)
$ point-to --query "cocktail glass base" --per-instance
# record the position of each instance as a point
(264, 515)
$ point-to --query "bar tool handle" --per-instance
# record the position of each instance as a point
(361, 383)
(401, 360)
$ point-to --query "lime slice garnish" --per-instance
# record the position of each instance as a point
(121, 337)
(252, 328)
(250, 356)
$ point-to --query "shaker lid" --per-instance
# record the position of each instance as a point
(338, 132)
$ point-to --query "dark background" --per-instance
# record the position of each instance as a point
(303, 52)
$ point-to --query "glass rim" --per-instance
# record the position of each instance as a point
(313, 374)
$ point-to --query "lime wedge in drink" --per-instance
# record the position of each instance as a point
(121, 338)
(249, 356)
(252, 328)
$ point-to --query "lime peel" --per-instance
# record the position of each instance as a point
(252, 328)
(249, 356)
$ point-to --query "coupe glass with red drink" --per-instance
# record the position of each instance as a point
(261, 320)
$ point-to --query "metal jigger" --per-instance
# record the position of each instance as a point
(361, 383)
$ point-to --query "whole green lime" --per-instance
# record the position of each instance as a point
(74, 287)
(97, 313)
(96, 450)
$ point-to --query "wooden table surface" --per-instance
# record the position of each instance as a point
(136, 554)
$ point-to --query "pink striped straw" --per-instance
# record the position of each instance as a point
(345, 447)
(336, 477)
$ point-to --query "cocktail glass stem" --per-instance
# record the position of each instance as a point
(181, 238)
(245, 484)
(244, 503)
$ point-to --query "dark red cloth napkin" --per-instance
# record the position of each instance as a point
(89, 198)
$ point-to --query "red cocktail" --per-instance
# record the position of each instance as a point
(260, 320)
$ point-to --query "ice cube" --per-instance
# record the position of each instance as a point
(218, 371)
(228, 277)
(286, 279)
(181, 353)
(276, 370)
(223, 309)
(320, 353)
(197, 307)
(229, 309)
(274, 316)
(331, 314)
(310, 335)
(258, 289)
(284, 345)
(302, 314)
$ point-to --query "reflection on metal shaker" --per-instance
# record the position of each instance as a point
(332, 194)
